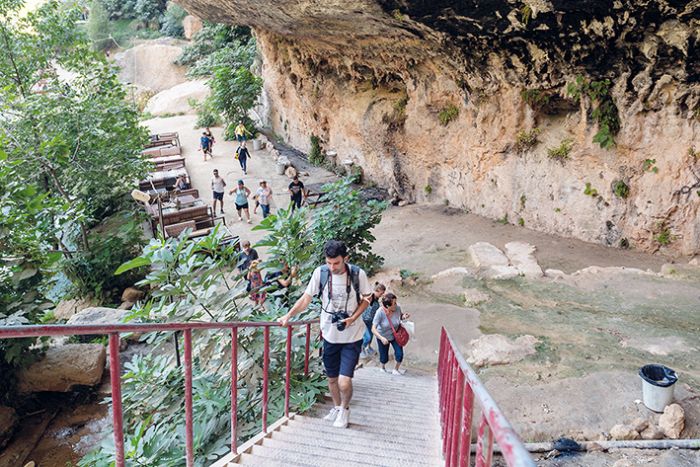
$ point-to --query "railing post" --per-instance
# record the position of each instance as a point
(266, 370)
(234, 389)
(115, 380)
(457, 417)
(484, 431)
(306, 350)
(466, 429)
(189, 438)
(288, 372)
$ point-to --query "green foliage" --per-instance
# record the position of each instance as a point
(217, 45)
(621, 189)
(347, 217)
(206, 115)
(447, 114)
(316, 154)
(113, 242)
(398, 116)
(562, 151)
(590, 191)
(521, 222)
(523, 199)
(692, 153)
(664, 237)
(503, 220)
(172, 20)
(98, 27)
(118, 8)
(535, 98)
(397, 15)
(525, 140)
(191, 280)
(428, 190)
(649, 165)
(525, 15)
(149, 11)
(234, 92)
(407, 274)
(605, 113)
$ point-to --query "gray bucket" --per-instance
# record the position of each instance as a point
(257, 145)
(281, 167)
(657, 386)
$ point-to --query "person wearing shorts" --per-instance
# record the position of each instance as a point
(218, 190)
(342, 337)
(241, 192)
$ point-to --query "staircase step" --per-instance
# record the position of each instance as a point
(418, 433)
(348, 442)
(382, 413)
(252, 459)
(315, 458)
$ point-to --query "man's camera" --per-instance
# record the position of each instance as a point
(337, 319)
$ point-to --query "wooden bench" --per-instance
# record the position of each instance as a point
(174, 230)
(171, 151)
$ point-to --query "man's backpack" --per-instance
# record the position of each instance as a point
(204, 140)
(354, 280)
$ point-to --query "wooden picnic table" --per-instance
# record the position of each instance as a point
(158, 179)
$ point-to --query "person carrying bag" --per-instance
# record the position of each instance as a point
(386, 326)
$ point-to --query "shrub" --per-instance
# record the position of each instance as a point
(562, 151)
(590, 191)
(605, 112)
(447, 114)
(521, 222)
(621, 189)
(428, 189)
(525, 140)
(664, 237)
(535, 98)
(98, 27)
(649, 165)
(206, 115)
(316, 155)
(172, 20)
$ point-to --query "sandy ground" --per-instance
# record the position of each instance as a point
(594, 330)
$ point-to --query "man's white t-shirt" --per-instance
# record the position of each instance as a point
(218, 184)
(338, 302)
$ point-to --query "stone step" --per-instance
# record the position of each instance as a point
(252, 459)
(315, 458)
(396, 414)
(417, 433)
(392, 447)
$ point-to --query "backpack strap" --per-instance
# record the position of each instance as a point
(325, 276)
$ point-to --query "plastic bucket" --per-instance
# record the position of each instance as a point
(281, 168)
(256, 145)
(657, 386)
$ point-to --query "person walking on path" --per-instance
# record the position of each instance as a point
(242, 154)
(205, 145)
(242, 192)
(386, 321)
(368, 318)
(264, 197)
(343, 289)
(241, 132)
(218, 190)
(255, 281)
(297, 193)
(210, 135)
(247, 256)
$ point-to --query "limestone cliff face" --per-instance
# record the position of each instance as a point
(433, 100)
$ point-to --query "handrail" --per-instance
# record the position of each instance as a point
(113, 331)
(458, 387)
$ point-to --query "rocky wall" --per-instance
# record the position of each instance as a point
(436, 101)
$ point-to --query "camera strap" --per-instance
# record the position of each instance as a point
(348, 288)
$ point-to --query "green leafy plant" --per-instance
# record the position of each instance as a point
(523, 199)
(605, 112)
(207, 116)
(398, 116)
(561, 152)
(503, 220)
(427, 189)
(448, 114)
(525, 140)
(535, 98)
(397, 15)
(692, 153)
(664, 236)
(621, 189)
(590, 191)
(98, 27)
(172, 20)
(521, 222)
(316, 154)
(649, 165)
(407, 274)
(234, 92)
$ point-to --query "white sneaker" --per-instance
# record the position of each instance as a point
(332, 414)
(343, 418)
(363, 354)
(384, 370)
(398, 372)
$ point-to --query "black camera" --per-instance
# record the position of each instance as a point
(337, 319)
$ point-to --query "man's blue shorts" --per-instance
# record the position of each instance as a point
(341, 358)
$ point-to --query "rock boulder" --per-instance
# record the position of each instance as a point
(672, 421)
(98, 315)
(192, 25)
(495, 349)
(623, 432)
(67, 308)
(64, 367)
(132, 294)
(151, 64)
(176, 100)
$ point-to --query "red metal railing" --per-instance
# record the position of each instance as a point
(113, 332)
(459, 387)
